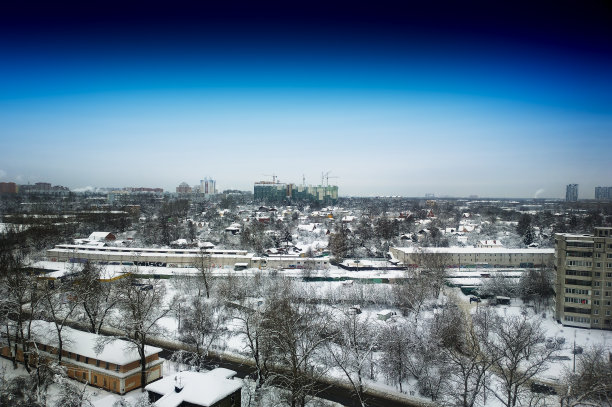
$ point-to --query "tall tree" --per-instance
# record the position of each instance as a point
(141, 306)
(516, 345)
(352, 354)
(97, 297)
(296, 332)
(591, 384)
(203, 262)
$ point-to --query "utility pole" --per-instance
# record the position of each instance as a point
(574, 352)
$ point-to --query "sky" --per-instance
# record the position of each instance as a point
(397, 98)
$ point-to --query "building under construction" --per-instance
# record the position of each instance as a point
(266, 191)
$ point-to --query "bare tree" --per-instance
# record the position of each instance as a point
(203, 262)
(295, 334)
(252, 328)
(71, 394)
(469, 367)
(433, 265)
(591, 384)
(97, 297)
(499, 284)
(516, 347)
(203, 323)
(411, 294)
(537, 285)
(141, 307)
(20, 301)
(353, 352)
(395, 354)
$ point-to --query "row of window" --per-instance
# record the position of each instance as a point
(607, 303)
(583, 320)
(572, 281)
(578, 273)
(586, 320)
(580, 263)
(578, 300)
(580, 291)
(596, 312)
(85, 360)
(597, 293)
(579, 244)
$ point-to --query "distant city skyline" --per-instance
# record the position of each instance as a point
(394, 100)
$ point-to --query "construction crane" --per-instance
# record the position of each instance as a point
(271, 175)
(323, 175)
(325, 178)
(328, 177)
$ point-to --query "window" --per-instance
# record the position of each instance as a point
(596, 283)
(596, 311)
(107, 366)
(609, 275)
(86, 360)
(95, 379)
(596, 302)
(596, 292)
(97, 363)
(78, 358)
(84, 375)
(607, 293)
(596, 321)
(608, 313)
(597, 273)
(598, 265)
(116, 368)
(607, 303)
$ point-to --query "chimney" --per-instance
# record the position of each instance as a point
(178, 385)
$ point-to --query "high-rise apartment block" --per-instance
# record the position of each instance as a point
(281, 192)
(584, 279)
(603, 193)
(208, 186)
(571, 193)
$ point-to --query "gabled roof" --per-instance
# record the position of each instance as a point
(118, 352)
(99, 235)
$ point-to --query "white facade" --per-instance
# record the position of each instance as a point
(471, 256)
(208, 186)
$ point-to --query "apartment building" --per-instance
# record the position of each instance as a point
(571, 193)
(584, 279)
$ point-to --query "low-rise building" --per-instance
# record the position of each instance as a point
(473, 256)
(115, 368)
(217, 388)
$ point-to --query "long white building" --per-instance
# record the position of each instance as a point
(141, 256)
(473, 256)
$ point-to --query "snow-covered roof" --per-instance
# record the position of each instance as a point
(199, 388)
(118, 352)
(464, 250)
(98, 235)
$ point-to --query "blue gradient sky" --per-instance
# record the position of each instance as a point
(393, 101)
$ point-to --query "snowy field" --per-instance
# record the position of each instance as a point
(233, 343)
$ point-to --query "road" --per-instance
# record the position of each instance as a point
(327, 391)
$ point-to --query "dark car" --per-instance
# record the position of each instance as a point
(475, 299)
(542, 388)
